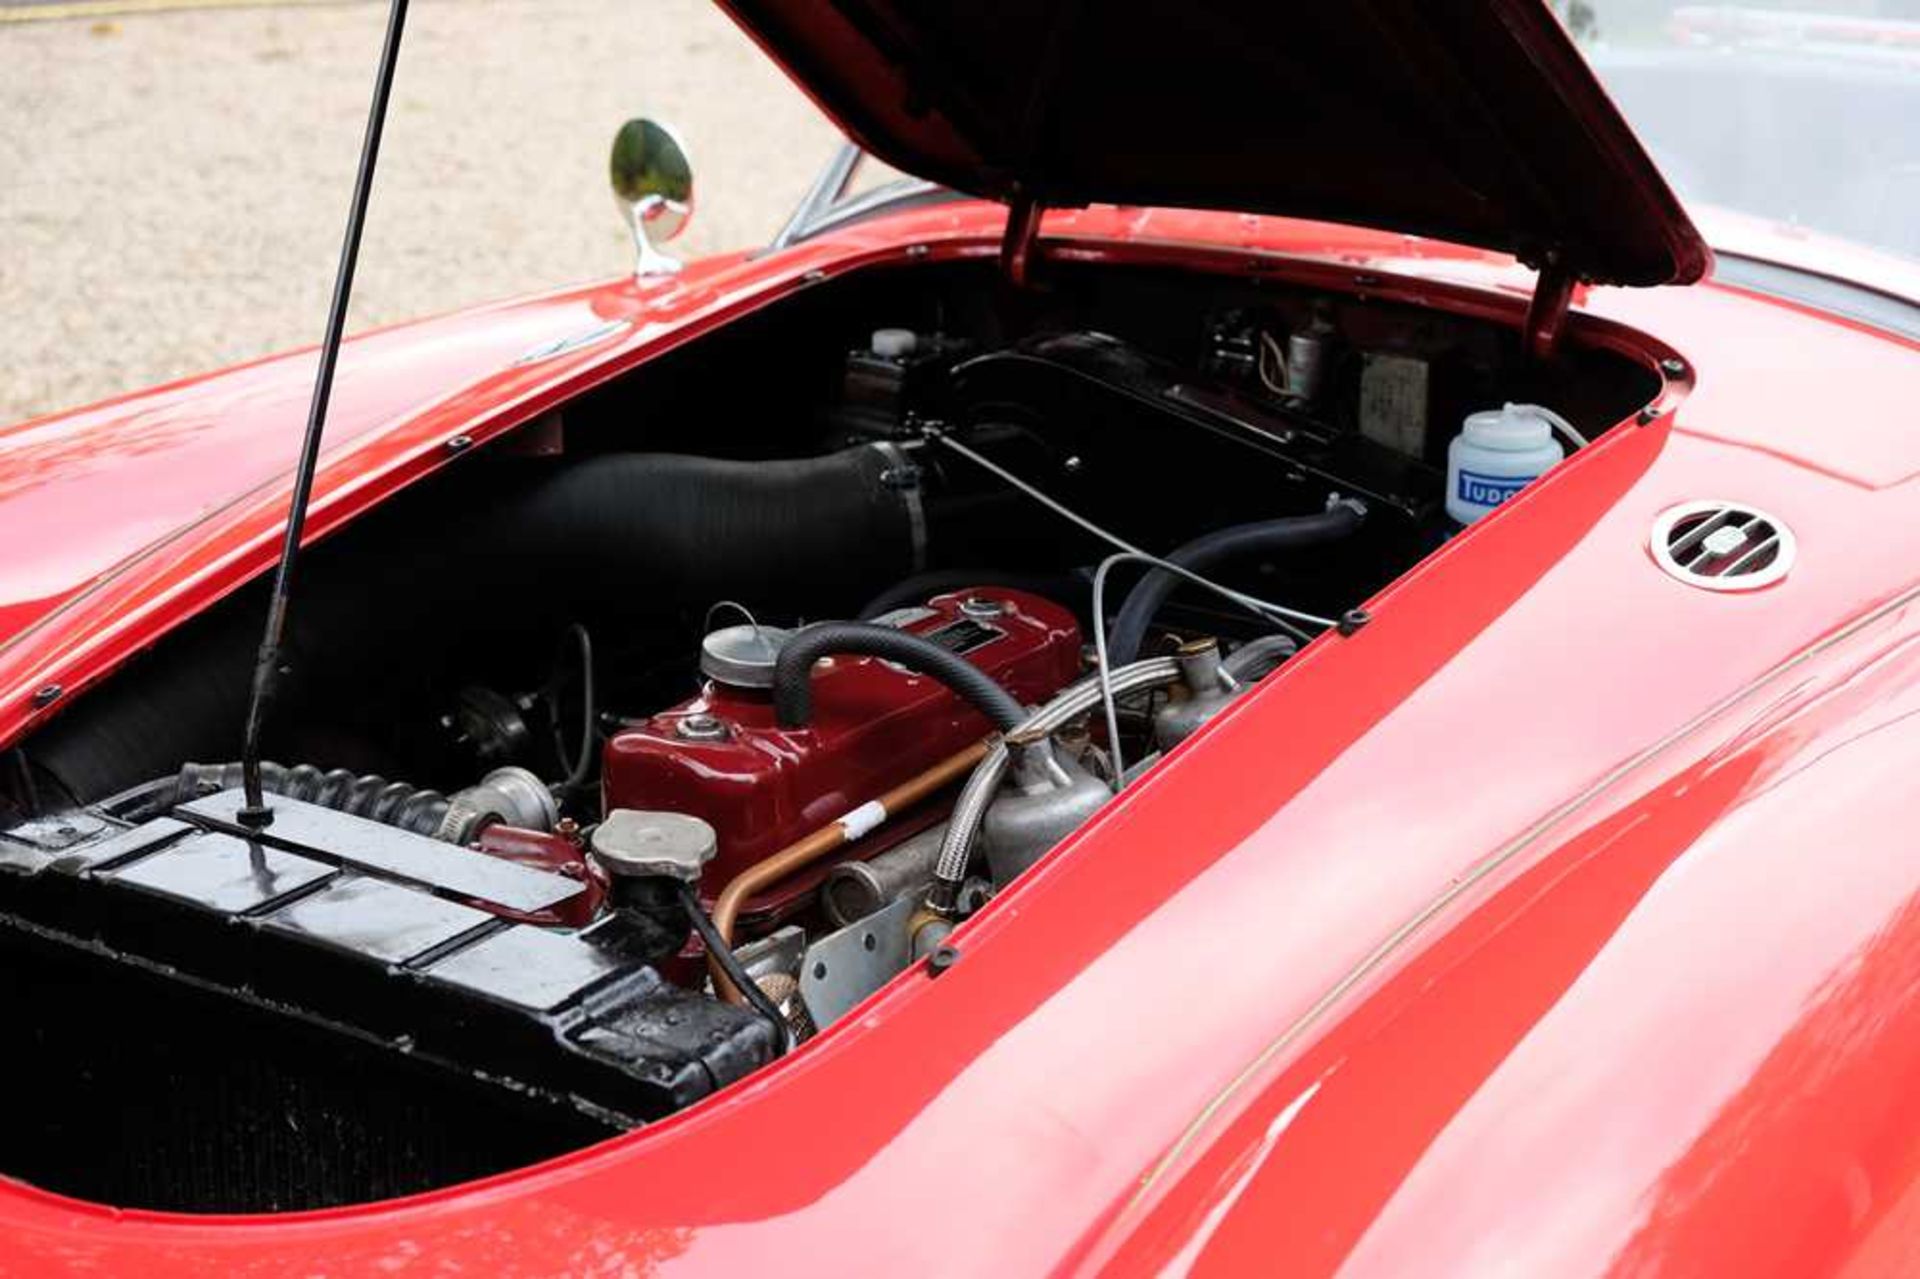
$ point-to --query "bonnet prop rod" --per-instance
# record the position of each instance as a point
(255, 812)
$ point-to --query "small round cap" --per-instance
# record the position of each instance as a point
(633, 843)
(743, 655)
(892, 344)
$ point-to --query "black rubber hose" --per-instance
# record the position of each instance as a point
(1264, 537)
(621, 539)
(777, 533)
(793, 669)
(730, 965)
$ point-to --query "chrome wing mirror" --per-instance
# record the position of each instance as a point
(653, 184)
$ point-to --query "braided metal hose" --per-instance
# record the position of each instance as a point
(956, 850)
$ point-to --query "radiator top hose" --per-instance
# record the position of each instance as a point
(399, 804)
(508, 794)
(793, 670)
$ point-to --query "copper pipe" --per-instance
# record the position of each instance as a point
(834, 835)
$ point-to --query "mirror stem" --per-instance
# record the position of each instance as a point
(267, 666)
(649, 261)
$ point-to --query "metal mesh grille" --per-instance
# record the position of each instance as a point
(135, 1091)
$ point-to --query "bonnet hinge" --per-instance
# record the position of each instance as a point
(1022, 235)
(1547, 311)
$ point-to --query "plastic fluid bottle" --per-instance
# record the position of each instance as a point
(1499, 452)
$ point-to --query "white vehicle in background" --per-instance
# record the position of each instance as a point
(1786, 129)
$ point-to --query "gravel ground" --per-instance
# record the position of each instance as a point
(175, 184)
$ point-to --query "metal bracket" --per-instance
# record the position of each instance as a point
(844, 967)
(1022, 235)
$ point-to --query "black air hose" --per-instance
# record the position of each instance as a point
(366, 795)
(625, 538)
(1264, 537)
(779, 532)
(793, 669)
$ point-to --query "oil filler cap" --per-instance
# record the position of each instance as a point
(742, 656)
(635, 843)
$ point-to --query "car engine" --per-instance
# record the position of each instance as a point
(663, 824)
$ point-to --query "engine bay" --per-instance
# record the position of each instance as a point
(634, 750)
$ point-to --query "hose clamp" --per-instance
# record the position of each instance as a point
(903, 476)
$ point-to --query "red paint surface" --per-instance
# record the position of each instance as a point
(874, 726)
(1565, 920)
(547, 850)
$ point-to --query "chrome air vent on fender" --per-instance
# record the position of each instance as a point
(1722, 546)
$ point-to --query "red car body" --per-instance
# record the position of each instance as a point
(1564, 920)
